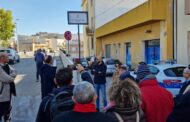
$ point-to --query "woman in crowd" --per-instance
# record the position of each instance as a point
(47, 73)
(126, 97)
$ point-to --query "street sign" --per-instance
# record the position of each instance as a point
(68, 35)
(77, 17)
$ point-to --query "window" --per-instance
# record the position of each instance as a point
(174, 72)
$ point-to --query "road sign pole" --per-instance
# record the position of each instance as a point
(79, 40)
(68, 47)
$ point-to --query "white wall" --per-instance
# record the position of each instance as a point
(107, 10)
(182, 28)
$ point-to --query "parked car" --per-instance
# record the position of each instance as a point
(169, 76)
(13, 55)
(82, 61)
(110, 63)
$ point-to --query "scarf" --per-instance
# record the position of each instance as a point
(85, 108)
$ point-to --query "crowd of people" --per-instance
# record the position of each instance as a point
(129, 99)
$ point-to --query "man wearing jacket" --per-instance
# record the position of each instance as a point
(157, 102)
(7, 76)
(99, 71)
(64, 83)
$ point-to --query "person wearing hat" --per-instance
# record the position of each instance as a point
(157, 102)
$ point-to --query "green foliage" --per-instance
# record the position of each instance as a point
(5, 43)
(6, 26)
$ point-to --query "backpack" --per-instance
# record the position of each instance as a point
(62, 102)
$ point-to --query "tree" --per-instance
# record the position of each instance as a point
(6, 26)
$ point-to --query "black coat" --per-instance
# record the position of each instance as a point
(183, 88)
(85, 76)
(181, 111)
(100, 73)
(44, 109)
(47, 74)
(127, 114)
(83, 117)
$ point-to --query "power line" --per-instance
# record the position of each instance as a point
(105, 11)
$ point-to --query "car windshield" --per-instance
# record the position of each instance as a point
(110, 62)
(174, 72)
(7, 51)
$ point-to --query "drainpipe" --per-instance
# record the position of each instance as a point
(175, 41)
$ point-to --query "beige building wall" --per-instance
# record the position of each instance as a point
(89, 39)
(183, 30)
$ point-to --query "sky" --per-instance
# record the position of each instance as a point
(34, 16)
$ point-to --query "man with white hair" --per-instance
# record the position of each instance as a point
(84, 96)
(7, 76)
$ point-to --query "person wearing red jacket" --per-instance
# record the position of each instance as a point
(157, 102)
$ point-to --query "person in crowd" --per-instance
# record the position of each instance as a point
(116, 74)
(127, 98)
(99, 71)
(123, 74)
(39, 58)
(7, 87)
(63, 81)
(85, 76)
(84, 96)
(47, 73)
(49, 107)
(181, 111)
(186, 86)
(157, 102)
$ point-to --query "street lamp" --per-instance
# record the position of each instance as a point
(17, 42)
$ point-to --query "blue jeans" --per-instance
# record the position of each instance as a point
(102, 88)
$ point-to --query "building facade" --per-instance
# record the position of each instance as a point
(142, 33)
(88, 30)
(182, 29)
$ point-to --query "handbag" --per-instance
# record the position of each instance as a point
(121, 119)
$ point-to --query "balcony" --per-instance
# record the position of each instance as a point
(89, 31)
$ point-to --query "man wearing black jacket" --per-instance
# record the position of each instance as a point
(64, 83)
(181, 110)
(99, 71)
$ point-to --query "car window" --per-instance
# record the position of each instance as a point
(7, 51)
(154, 70)
(174, 72)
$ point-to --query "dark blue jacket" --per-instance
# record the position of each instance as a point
(85, 76)
(178, 97)
(100, 73)
(39, 58)
(47, 74)
(44, 116)
(44, 109)
(181, 111)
